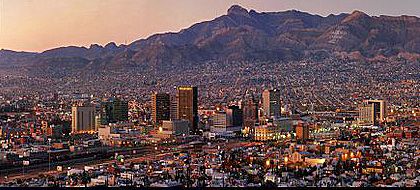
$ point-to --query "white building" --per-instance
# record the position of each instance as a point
(83, 119)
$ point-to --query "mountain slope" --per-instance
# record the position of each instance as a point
(289, 35)
(248, 35)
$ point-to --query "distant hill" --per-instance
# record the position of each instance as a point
(247, 35)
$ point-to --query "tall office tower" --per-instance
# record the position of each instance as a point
(188, 105)
(379, 110)
(372, 112)
(365, 114)
(302, 132)
(250, 112)
(174, 108)
(161, 107)
(83, 119)
(114, 110)
(271, 103)
(234, 116)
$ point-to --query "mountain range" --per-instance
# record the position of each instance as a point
(243, 35)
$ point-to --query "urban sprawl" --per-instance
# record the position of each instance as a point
(175, 140)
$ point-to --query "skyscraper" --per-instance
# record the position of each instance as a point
(250, 112)
(114, 110)
(379, 110)
(161, 107)
(234, 116)
(174, 108)
(83, 119)
(187, 105)
(271, 103)
(365, 114)
(372, 112)
(302, 132)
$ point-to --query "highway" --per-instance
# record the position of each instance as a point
(146, 153)
(34, 170)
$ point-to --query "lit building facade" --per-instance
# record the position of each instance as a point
(267, 132)
(372, 112)
(365, 114)
(83, 119)
(187, 105)
(271, 103)
(161, 107)
(378, 110)
(302, 132)
(220, 122)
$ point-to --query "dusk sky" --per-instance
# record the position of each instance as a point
(38, 25)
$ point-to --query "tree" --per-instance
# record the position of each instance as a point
(269, 184)
(85, 178)
(52, 179)
(73, 178)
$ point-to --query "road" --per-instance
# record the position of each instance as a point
(140, 156)
(35, 170)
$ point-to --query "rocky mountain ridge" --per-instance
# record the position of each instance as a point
(243, 35)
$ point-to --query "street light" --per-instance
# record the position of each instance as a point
(49, 154)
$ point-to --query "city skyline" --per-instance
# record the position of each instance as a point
(261, 93)
(27, 26)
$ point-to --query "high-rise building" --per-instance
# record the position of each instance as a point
(161, 107)
(234, 116)
(250, 112)
(83, 119)
(372, 112)
(302, 132)
(365, 114)
(114, 110)
(174, 108)
(187, 105)
(379, 110)
(271, 103)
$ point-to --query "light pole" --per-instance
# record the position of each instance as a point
(49, 154)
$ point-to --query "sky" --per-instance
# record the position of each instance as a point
(38, 25)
